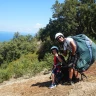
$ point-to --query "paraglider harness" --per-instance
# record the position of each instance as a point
(63, 75)
(72, 61)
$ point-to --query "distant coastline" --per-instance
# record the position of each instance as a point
(7, 36)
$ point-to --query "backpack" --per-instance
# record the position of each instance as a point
(65, 70)
(84, 51)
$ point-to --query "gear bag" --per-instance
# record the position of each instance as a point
(85, 49)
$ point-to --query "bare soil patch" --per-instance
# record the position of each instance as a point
(39, 86)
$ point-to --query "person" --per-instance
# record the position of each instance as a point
(82, 49)
(58, 59)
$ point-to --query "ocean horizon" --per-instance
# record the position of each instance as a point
(7, 36)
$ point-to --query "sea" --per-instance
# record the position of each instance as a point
(7, 36)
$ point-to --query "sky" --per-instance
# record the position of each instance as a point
(25, 16)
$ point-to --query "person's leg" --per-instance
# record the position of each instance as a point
(70, 76)
(70, 73)
(76, 73)
(53, 79)
(76, 76)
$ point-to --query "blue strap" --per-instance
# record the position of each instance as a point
(89, 45)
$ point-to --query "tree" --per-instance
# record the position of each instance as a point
(71, 17)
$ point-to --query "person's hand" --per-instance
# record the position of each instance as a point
(71, 61)
(56, 55)
(74, 58)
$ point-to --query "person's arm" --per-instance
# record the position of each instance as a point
(73, 56)
(73, 45)
(58, 57)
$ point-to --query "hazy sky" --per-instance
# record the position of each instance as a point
(25, 15)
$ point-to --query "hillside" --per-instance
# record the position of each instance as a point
(38, 86)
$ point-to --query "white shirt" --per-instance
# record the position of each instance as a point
(67, 45)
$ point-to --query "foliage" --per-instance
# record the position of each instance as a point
(28, 65)
(27, 55)
(16, 47)
(5, 74)
(71, 17)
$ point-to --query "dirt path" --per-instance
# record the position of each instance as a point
(38, 86)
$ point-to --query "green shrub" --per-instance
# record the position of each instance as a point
(48, 59)
(18, 70)
(4, 75)
(27, 65)
(4, 66)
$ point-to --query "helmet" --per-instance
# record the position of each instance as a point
(54, 47)
(58, 34)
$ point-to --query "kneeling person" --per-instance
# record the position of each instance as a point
(56, 66)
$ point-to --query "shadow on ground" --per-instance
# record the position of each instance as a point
(42, 84)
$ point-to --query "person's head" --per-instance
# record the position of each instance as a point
(59, 37)
(54, 49)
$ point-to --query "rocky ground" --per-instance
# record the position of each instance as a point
(39, 86)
